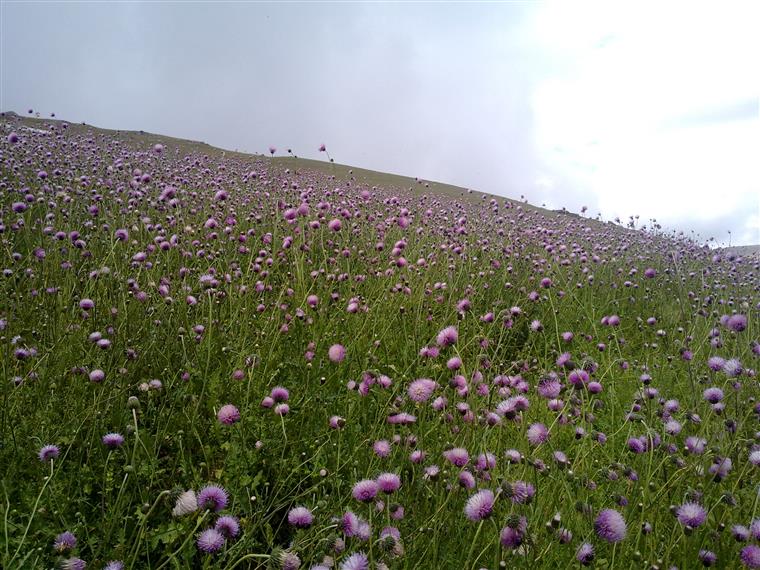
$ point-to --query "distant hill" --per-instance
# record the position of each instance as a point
(363, 176)
(744, 250)
(341, 172)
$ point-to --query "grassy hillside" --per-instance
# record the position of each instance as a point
(341, 172)
(217, 360)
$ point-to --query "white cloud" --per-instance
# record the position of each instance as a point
(608, 115)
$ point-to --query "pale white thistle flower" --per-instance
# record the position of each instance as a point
(186, 503)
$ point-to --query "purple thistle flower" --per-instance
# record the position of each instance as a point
(691, 515)
(713, 395)
(513, 534)
(585, 554)
(228, 526)
(48, 452)
(86, 304)
(300, 517)
(732, 368)
(740, 533)
(549, 388)
(228, 414)
(447, 337)
(672, 427)
(114, 565)
(97, 376)
(695, 445)
(334, 225)
(636, 445)
(357, 561)
(707, 557)
(279, 394)
(210, 540)
(721, 467)
(113, 440)
(290, 561)
(610, 526)
(336, 422)
(561, 458)
(480, 505)
(750, 556)
(457, 456)
(432, 472)
(430, 351)
(564, 359)
(336, 353)
(421, 389)
(537, 434)
(365, 490)
(578, 378)
(388, 482)
(417, 456)
(349, 524)
(521, 492)
(754, 529)
(467, 479)
(382, 448)
(401, 418)
(737, 323)
(390, 531)
(73, 564)
(564, 536)
(212, 497)
(513, 456)
(64, 542)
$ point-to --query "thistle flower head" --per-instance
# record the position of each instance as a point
(64, 542)
(480, 505)
(300, 517)
(212, 497)
(186, 503)
(210, 540)
(48, 453)
(610, 526)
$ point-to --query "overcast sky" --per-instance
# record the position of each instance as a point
(647, 108)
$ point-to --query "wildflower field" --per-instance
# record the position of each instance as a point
(215, 360)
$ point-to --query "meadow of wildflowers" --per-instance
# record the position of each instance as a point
(224, 361)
